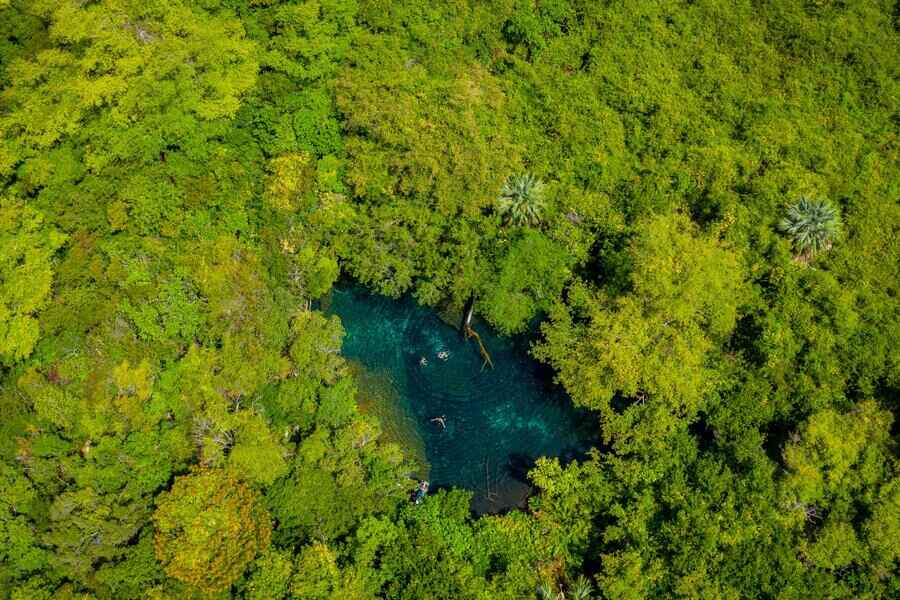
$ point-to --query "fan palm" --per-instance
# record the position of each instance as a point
(812, 225)
(581, 589)
(546, 591)
(521, 200)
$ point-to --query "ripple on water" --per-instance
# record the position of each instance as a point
(497, 420)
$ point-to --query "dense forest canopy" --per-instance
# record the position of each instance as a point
(697, 201)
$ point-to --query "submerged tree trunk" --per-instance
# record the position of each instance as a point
(469, 332)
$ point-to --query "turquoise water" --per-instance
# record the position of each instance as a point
(497, 420)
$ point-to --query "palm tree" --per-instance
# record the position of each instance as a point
(581, 589)
(521, 200)
(812, 225)
(546, 591)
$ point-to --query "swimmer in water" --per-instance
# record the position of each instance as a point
(442, 421)
(443, 355)
(423, 362)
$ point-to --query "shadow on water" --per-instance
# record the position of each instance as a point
(471, 427)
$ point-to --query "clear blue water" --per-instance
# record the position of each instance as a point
(497, 420)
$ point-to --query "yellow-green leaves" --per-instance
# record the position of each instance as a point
(841, 489)
(317, 573)
(882, 530)
(686, 277)
(315, 349)
(291, 176)
(27, 246)
(258, 453)
(133, 381)
(837, 453)
(209, 527)
(132, 59)
(649, 347)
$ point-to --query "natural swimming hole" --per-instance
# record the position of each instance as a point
(468, 426)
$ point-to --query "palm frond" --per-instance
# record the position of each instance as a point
(581, 589)
(812, 225)
(521, 202)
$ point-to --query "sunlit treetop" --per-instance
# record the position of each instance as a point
(209, 527)
(149, 66)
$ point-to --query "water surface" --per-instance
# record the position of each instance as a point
(497, 420)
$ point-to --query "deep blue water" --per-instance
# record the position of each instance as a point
(497, 420)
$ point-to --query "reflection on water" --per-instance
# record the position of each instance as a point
(475, 428)
(377, 396)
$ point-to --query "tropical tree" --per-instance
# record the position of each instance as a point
(655, 344)
(581, 589)
(532, 274)
(546, 591)
(812, 225)
(209, 528)
(521, 200)
(27, 247)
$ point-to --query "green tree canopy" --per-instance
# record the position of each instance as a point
(652, 346)
(27, 248)
(209, 527)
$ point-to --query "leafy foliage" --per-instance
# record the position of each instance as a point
(652, 345)
(183, 181)
(209, 527)
(27, 247)
(533, 272)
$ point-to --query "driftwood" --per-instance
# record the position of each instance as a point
(484, 353)
(471, 333)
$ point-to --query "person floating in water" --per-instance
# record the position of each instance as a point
(443, 355)
(441, 420)
(423, 362)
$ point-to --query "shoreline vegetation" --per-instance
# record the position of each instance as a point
(482, 430)
(376, 396)
(695, 199)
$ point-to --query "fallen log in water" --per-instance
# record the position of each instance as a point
(471, 333)
(484, 353)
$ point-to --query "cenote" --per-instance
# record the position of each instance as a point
(498, 420)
